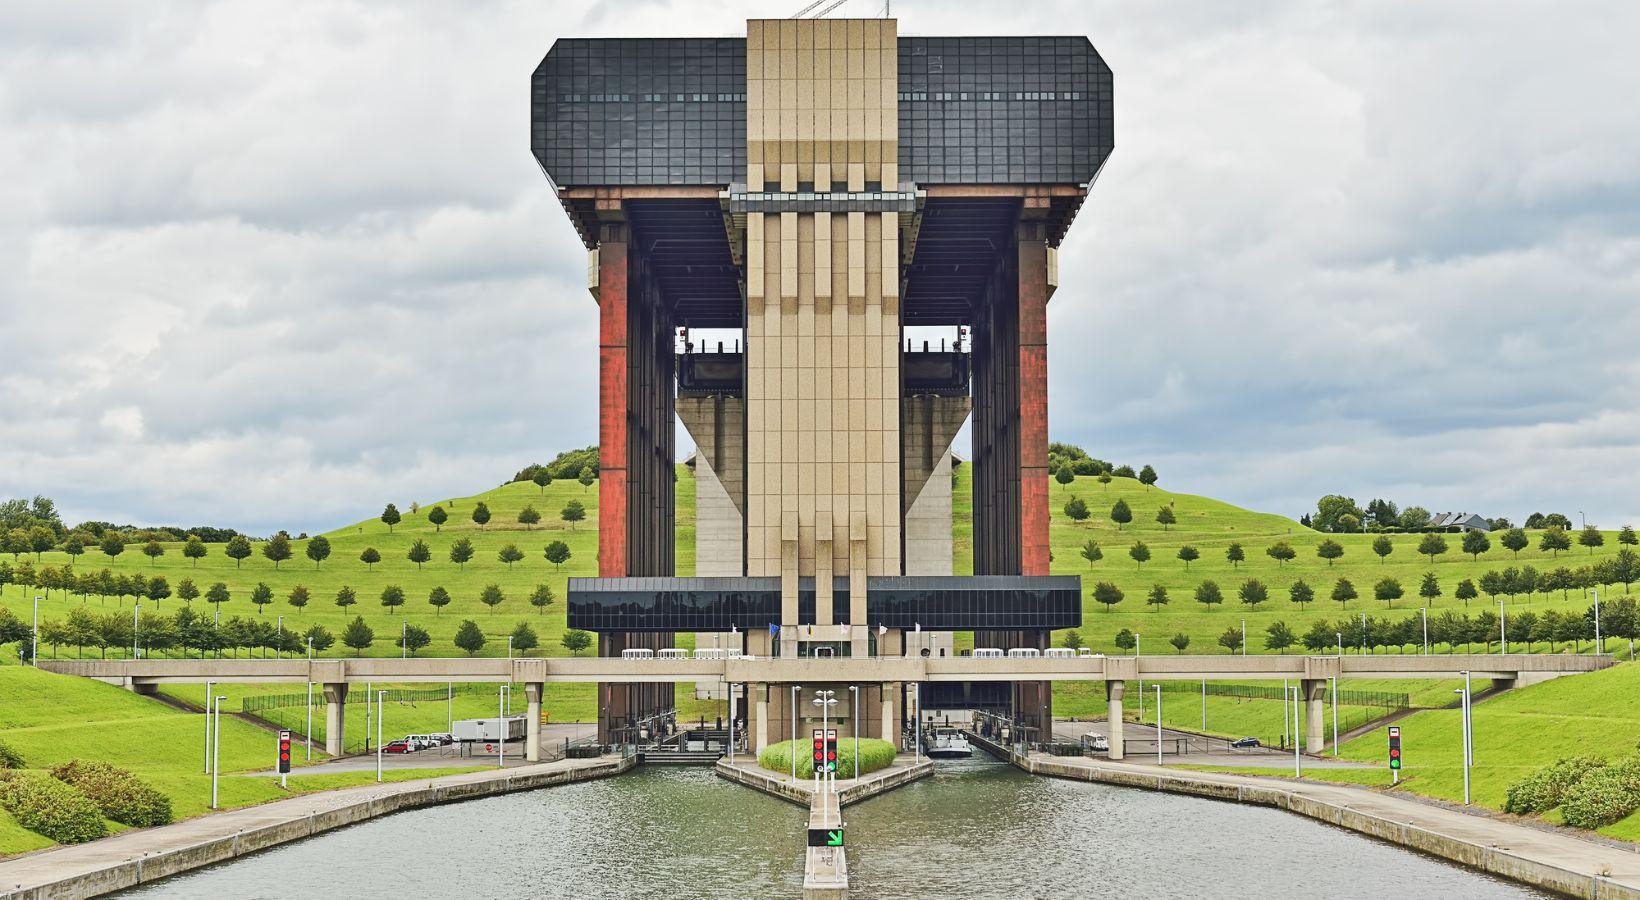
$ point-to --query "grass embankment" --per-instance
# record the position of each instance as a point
(874, 754)
(1516, 733)
(51, 719)
(1228, 717)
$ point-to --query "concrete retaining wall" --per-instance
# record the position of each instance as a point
(130, 873)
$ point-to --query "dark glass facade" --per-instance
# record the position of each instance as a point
(672, 111)
(935, 603)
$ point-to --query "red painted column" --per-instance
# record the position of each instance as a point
(613, 394)
(1033, 398)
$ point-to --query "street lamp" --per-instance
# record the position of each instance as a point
(310, 720)
(1298, 765)
(825, 701)
(795, 689)
(215, 704)
(854, 706)
(1335, 714)
(34, 653)
(1425, 611)
(279, 642)
(1158, 723)
(1243, 637)
(1599, 645)
(209, 687)
(501, 721)
(381, 697)
(1463, 694)
(1340, 645)
(135, 609)
(1503, 631)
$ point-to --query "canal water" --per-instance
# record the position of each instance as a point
(976, 829)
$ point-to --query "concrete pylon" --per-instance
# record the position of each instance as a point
(1315, 708)
(532, 722)
(891, 733)
(1114, 691)
(718, 426)
(335, 718)
(928, 426)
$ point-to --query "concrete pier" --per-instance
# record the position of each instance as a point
(336, 718)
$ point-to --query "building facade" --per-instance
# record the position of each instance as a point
(778, 228)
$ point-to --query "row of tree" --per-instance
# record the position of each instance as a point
(186, 631)
(528, 517)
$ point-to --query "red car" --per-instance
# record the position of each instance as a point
(396, 747)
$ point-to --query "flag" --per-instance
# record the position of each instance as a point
(916, 627)
(773, 629)
(845, 629)
(882, 630)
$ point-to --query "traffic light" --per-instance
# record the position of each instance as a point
(819, 751)
(1394, 747)
(284, 753)
(831, 750)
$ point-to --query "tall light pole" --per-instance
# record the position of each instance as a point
(1298, 765)
(795, 689)
(210, 686)
(310, 646)
(380, 696)
(1363, 632)
(916, 748)
(310, 720)
(34, 652)
(854, 706)
(404, 633)
(135, 609)
(1340, 644)
(1503, 631)
(1599, 645)
(1335, 713)
(1469, 718)
(1425, 611)
(501, 724)
(1243, 637)
(1463, 694)
(1158, 723)
(1204, 706)
(215, 704)
(279, 642)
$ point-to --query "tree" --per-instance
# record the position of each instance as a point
(1343, 592)
(1157, 597)
(319, 638)
(1064, 475)
(1625, 567)
(1555, 540)
(1208, 594)
(153, 551)
(358, 635)
(481, 515)
(41, 539)
(277, 549)
(390, 517)
(370, 556)
(216, 595)
(1231, 639)
(238, 549)
(1108, 594)
(1121, 514)
(1432, 545)
(1165, 517)
(1300, 592)
(439, 598)
(573, 512)
(1235, 555)
(1387, 590)
(392, 597)
(1382, 546)
(261, 595)
(1253, 592)
(1475, 543)
(1589, 537)
(1188, 555)
(298, 598)
(1331, 509)
(575, 640)
(318, 550)
(542, 478)
(1429, 588)
(461, 552)
(345, 597)
(158, 589)
(523, 638)
(112, 545)
(586, 477)
(1180, 641)
(1415, 518)
(1140, 553)
(1329, 550)
(557, 553)
(1281, 552)
(491, 596)
(412, 638)
(510, 554)
(528, 517)
(74, 545)
(1627, 536)
(1278, 637)
(1466, 591)
(1147, 477)
(1125, 640)
(1073, 639)
(1092, 553)
(1515, 540)
(187, 591)
(1075, 509)
(1104, 479)
(541, 598)
(420, 553)
(438, 517)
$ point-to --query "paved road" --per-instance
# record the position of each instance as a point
(1141, 744)
(444, 757)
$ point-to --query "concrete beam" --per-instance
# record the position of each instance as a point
(335, 719)
(1114, 692)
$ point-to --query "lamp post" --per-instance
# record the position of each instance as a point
(1425, 611)
(1463, 694)
(1469, 718)
(1243, 637)
(309, 720)
(854, 706)
(404, 643)
(1503, 631)
(1599, 645)
(380, 696)
(1158, 723)
(1298, 764)
(1340, 644)
(501, 721)
(825, 701)
(1335, 714)
(310, 647)
(795, 689)
(135, 608)
(209, 687)
(1363, 632)
(916, 750)
(279, 641)
(215, 704)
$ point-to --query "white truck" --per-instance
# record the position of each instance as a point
(488, 730)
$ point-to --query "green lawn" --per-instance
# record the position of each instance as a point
(1230, 717)
(51, 719)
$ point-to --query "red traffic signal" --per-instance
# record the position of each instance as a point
(284, 752)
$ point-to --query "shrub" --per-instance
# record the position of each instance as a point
(9, 758)
(120, 795)
(1603, 796)
(874, 754)
(50, 808)
(1542, 790)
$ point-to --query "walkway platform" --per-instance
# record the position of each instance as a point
(143, 855)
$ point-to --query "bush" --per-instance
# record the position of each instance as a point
(9, 758)
(50, 808)
(1542, 790)
(120, 795)
(1603, 796)
(874, 755)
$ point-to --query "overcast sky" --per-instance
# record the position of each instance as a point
(272, 264)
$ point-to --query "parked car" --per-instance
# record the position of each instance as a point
(1099, 742)
(421, 741)
(397, 747)
(1246, 743)
(443, 738)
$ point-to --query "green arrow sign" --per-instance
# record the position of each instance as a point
(825, 837)
(834, 838)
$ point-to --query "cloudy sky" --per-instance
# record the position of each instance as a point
(273, 263)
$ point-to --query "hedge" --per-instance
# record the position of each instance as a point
(1603, 796)
(9, 758)
(1542, 790)
(874, 754)
(50, 808)
(120, 795)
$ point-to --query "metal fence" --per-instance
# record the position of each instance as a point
(401, 695)
(1379, 699)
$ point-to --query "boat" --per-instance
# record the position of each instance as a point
(949, 744)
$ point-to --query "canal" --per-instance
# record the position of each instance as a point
(976, 829)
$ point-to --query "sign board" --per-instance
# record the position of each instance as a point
(1394, 747)
(825, 837)
(284, 752)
